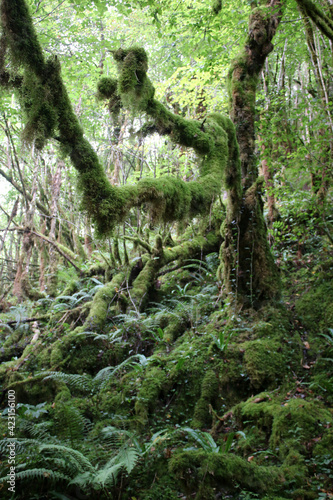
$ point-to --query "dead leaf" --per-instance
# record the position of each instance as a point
(258, 400)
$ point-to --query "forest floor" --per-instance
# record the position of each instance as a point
(189, 399)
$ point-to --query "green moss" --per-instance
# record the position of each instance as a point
(106, 87)
(176, 325)
(160, 487)
(315, 306)
(21, 35)
(102, 301)
(209, 394)
(152, 385)
(63, 395)
(289, 423)
(298, 421)
(222, 471)
(264, 362)
(49, 107)
(57, 356)
(73, 256)
(168, 198)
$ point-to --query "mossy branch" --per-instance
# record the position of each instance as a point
(50, 114)
(160, 257)
(140, 242)
(63, 254)
(320, 19)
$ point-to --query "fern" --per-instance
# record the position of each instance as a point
(38, 431)
(111, 337)
(86, 383)
(38, 474)
(73, 381)
(203, 438)
(107, 476)
(76, 458)
(70, 422)
(126, 458)
(20, 444)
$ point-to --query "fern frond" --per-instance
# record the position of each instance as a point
(83, 480)
(20, 444)
(107, 476)
(38, 474)
(70, 423)
(38, 431)
(74, 381)
(109, 371)
(128, 457)
(78, 459)
(63, 297)
(203, 438)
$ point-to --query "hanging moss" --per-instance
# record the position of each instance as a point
(214, 141)
(49, 112)
(107, 89)
(21, 35)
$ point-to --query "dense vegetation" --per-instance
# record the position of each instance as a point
(166, 292)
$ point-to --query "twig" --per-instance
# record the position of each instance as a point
(28, 320)
(11, 217)
(129, 294)
(58, 250)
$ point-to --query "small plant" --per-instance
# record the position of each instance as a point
(329, 338)
(206, 441)
(88, 384)
(222, 340)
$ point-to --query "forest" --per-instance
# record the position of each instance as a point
(166, 236)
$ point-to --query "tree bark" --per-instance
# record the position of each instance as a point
(248, 271)
(53, 262)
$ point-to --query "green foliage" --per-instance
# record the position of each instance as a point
(181, 363)
(222, 339)
(87, 384)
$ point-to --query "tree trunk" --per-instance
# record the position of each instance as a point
(53, 263)
(248, 271)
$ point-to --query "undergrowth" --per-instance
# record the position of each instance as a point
(187, 397)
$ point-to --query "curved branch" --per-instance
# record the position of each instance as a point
(320, 19)
(41, 236)
(169, 198)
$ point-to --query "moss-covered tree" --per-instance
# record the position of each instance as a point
(225, 152)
